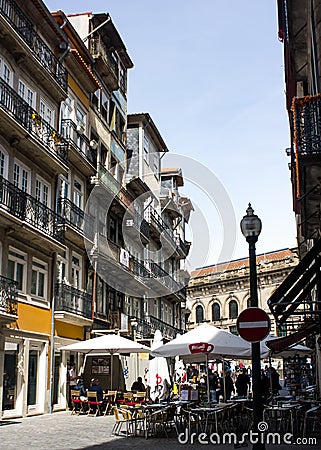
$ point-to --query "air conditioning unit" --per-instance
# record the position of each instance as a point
(93, 144)
(80, 128)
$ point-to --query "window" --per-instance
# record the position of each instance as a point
(27, 93)
(233, 309)
(42, 191)
(199, 314)
(95, 99)
(5, 72)
(17, 267)
(81, 119)
(122, 78)
(101, 296)
(233, 330)
(76, 271)
(216, 312)
(21, 175)
(104, 106)
(156, 164)
(146, 148)
(61, 267)
(39, 278)
(3, 164)
(47, 113)
(78, 193)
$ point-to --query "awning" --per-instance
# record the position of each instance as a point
(280, 344)
(297, 286)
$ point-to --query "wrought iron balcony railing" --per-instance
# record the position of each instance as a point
(69, 131)
(165, 278)
(30, 210)
(307, 124)
(23, 26)
(8, 296)
(139, 269)
(28, 118)
(71, 300)
(145, 328)
(76, 217)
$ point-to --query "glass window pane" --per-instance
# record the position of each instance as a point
(11, 270)
(41, 284)
(34, 283)
(19, 275)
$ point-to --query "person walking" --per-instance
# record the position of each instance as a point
(275, 381)
(213, 385)
(229, 385)
(72, 377)
(242, 383)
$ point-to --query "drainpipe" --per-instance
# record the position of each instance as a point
(52, 334)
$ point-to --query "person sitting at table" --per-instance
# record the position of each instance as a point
(242, 383)
(81, 388)
(138, 385)
(95, 387)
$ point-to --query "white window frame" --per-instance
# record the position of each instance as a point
(23, 261)
(39, 270)
(6, 72)
(47, 112)
(76, 267)
(62, 261)
(44, 195)
(4, 162)
(23, 170)
(78, 194)
(25, 92)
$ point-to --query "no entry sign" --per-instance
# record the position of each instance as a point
(253, 324)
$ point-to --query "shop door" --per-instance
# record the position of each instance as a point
(10, 376)
(33, 378)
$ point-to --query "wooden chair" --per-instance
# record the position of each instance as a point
(109, 401)
(93, 404)
(78, 405)
(140, 397)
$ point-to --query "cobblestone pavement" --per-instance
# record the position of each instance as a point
(63, 431)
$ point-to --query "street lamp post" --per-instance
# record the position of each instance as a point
(251, 227)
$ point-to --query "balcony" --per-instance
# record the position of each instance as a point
(72, 305)
(12, 17)
(8, 301)
(30, 216)
(145, 328)
(80, 152)
(119, 267)
(305, 162)
(163, 283)
(17, 117)
(77, 222)
(104, 62)
(137, 228)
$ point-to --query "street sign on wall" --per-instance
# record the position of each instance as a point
(253, 324)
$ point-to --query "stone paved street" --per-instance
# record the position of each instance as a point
(63, 431)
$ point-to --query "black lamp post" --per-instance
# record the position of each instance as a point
(251, 227)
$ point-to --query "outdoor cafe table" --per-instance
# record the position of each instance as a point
(205, 413)
(282, 415)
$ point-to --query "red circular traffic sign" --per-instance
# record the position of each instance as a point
(253, 324)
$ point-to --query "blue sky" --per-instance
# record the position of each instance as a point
(210, 73)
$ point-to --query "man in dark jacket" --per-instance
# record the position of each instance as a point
(242, 383)
(213, 384)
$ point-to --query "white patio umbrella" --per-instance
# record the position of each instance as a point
(158, 375)
(203, 342)
(291, 351)
(109, 343)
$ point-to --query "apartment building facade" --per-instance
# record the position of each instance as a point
(75, 233)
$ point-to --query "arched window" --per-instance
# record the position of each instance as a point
(199, 314)
(233, 309)
(216, 312)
